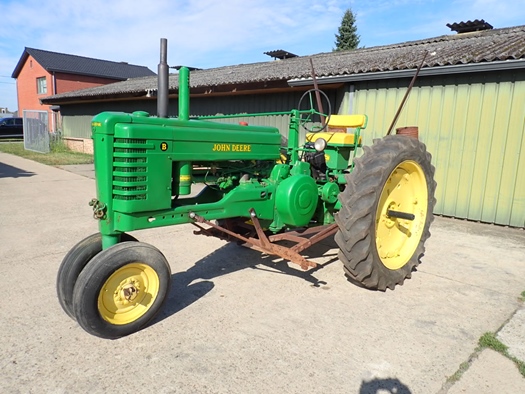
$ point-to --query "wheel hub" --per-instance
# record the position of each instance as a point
(388, 221)
(129, 292)
(400, 214)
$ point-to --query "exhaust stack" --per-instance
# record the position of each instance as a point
(163, 80)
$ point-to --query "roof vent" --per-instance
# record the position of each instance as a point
(280, 54)
(470, 26)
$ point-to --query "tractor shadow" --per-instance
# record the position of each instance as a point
(189, 286)
(7, 171)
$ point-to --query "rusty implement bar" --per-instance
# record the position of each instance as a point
(322, 234)
(266, 244)
(210, 233)
(317, 95)
(396, 116)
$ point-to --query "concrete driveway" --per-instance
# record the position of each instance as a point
(240, 322)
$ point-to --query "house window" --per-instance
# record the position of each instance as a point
(41, 85)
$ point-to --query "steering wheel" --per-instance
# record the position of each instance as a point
(310, 116)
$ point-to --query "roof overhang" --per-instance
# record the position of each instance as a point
(441, 70)
(267, 87)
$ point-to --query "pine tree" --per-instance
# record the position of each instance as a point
(347, 38)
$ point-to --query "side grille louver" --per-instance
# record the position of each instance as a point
(129, 161)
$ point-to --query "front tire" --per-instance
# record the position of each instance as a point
(73, 263)
(121, 290)
(386, 212)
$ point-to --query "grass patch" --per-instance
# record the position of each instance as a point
(60, 154)
(459, 373)
(489, 340)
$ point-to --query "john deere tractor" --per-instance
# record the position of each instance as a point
(252, 190)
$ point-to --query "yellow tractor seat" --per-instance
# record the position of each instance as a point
(337, 130)
(347, 122)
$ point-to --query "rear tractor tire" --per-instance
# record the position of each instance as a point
(121, 289)
(386, 212)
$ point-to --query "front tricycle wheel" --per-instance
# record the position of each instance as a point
(73, 264)
(121, 289)
(386, 212)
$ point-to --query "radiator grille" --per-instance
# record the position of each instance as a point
(130, 141)
(129, 159)
(130, 150)
(129, 178)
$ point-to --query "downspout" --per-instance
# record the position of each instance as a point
(54, 84)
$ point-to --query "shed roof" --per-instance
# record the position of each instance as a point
(499, 46)
(80, 65)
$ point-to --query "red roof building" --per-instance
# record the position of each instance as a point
(40, 74)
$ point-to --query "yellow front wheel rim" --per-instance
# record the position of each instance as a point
(404, 191)
(128, 293)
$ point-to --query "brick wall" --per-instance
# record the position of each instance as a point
(28, 97)
(83, 145)
(69, 82)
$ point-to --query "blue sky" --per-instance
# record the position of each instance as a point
(211, 33)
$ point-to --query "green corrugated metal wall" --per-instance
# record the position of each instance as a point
(474, 126)
(76, 118)
(475, 129)
(78, 126)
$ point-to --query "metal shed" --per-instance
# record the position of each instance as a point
(475, 129)
(469, 105)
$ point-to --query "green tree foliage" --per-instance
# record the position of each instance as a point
(347, 38)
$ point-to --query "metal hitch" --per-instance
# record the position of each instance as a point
(99, 209)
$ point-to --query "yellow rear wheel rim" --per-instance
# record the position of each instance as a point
(404, 191)
(128, 293)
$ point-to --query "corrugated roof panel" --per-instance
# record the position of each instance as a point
(479, 47)
(469, 26)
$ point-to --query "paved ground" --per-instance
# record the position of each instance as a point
(240, 322)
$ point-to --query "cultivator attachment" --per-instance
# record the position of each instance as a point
(254, 237)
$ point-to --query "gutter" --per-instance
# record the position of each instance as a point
(440, 70)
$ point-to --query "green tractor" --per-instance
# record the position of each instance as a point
(253, 190)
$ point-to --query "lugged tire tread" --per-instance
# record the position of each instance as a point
(356, 218)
